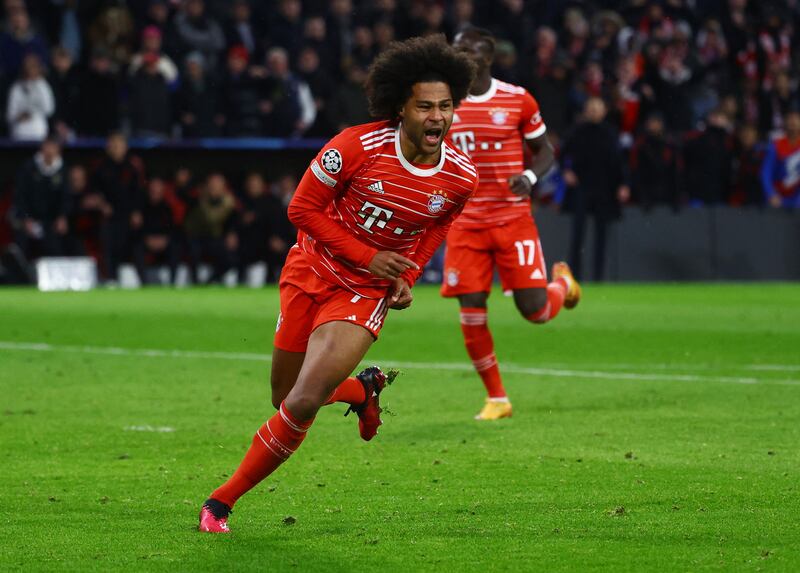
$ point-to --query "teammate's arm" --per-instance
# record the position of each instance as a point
(542, 154)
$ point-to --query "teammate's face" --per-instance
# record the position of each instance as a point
(475, 48)
(427, 116)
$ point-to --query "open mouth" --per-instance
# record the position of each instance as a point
(433, 135)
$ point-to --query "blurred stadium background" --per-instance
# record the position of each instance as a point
(219, 105)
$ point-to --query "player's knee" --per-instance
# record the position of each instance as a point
(473, 300)
(530, 302)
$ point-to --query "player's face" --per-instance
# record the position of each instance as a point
(427, 116)
(475, 48)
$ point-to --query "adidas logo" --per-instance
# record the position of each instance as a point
(351, 317)
(537, 274)
(376, 187)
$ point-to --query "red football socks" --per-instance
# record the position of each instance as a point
(556, 291)
(480, 348)
(351, 391)
(273, 443)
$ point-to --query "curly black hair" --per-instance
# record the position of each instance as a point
(403, 64)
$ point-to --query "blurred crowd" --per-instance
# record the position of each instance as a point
(699, 97)
(109, 210)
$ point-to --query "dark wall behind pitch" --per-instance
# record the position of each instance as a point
(697, 244)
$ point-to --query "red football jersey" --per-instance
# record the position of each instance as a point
(490, 128)
(360, 195)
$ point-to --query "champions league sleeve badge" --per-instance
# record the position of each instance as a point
(332, 161)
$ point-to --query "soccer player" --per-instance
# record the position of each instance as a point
(496, 228)
(371, 209)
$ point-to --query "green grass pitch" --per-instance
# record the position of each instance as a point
(656, 428)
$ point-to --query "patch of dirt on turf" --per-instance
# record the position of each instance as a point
(617, 511)
(289, 520)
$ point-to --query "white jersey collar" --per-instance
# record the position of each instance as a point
(485, 96)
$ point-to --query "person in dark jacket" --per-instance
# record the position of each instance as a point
(99, 90)
(156, 244)
(254, 223)
(240, 104)
(654, 166)
(119, 178)
(596, 185)
(282, 232)
(65, 81)
(150, 108)
(40, 208)
(197, 100)
(708, 161)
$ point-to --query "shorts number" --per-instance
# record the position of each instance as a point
(522, 246)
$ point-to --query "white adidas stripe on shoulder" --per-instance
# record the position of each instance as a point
(461, 161)
(375, 133)
(510, 88)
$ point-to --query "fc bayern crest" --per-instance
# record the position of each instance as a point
(332, 161)
(435, 204)
(452, 277)
(499, 116)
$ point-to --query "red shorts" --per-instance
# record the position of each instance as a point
(307, 301)
(472, 254)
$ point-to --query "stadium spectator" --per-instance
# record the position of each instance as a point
(113, 31)
(240, 101)
(779, 173)
(157, 14)
(40, 207)
(749, 155)
(17, 41)
(194, 30)
(156, 244)
(596, 183)
(283, 233)
(243, 30)
(151, 47)
(254, 223)
(30, 102)
(315, 35)
(654, 167)
(322, 88)
(349, 105)
(119, 179)
(777, 101)
(85, 215)
(150, 100)
(65, 82)
(210, 232)
(197, 100)
(286, 26)
(708, 161)
(288, 105)
(99, 91)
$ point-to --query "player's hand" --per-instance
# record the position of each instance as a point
(390, 265)
(520, 185)
(399, 296)
(775, 201)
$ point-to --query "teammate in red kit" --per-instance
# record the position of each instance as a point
(371, 209)
(496, 228)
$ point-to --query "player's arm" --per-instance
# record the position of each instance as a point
(431, 240)
(542, 153)
(318, 188)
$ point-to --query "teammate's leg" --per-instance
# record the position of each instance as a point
(480, 347)
(334, 350)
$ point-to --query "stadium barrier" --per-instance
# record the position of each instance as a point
(693, 244)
